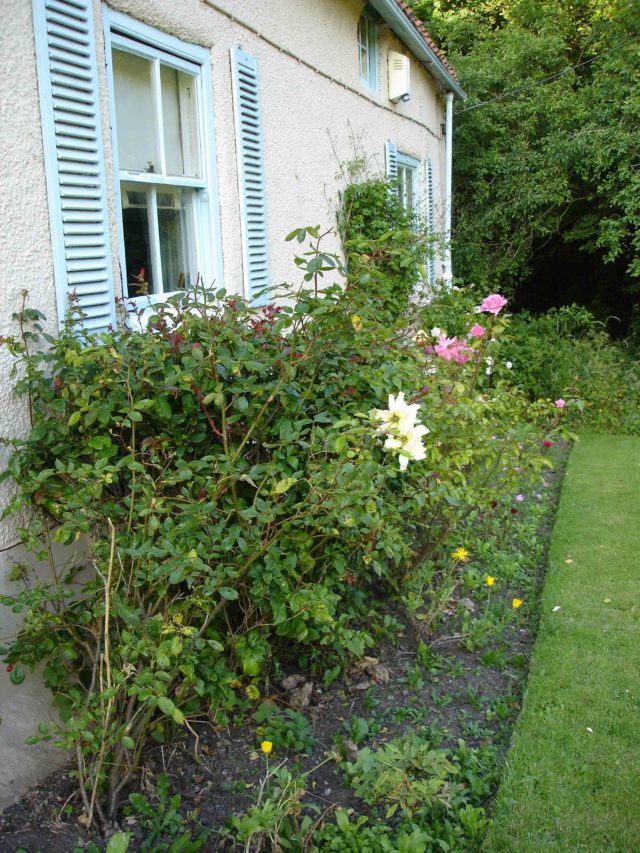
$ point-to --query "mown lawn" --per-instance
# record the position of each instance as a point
(572, 781)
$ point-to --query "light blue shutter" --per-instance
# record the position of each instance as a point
(430, 220)
(251, 174)
(392, 161)
(74, 160)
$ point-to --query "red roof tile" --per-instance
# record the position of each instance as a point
(424, 35)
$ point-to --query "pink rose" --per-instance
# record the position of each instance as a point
(451, 349)
(476, 331)
(493, 304)
(560, 404)
(447, 348)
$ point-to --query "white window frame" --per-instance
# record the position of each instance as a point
(121, 31)
(405, 164)
(367, 39)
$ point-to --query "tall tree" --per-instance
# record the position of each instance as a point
(547, 146)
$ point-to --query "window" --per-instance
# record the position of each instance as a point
(368, 51)
(161, 113)
(407, 178)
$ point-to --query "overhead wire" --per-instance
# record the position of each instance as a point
(548, 79)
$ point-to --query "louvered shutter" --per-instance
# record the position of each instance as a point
(251, 176)
(392, 160)
(430, 219)
(74, 160)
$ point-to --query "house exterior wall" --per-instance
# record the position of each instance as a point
(26, 262)
(317, 117)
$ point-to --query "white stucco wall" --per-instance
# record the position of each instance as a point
(25, 264)
(312, 124)
(316, 116)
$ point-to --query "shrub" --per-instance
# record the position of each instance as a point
(384, 246)
(567, 352)
(235, 496)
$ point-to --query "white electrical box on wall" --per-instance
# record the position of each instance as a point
(399, 77)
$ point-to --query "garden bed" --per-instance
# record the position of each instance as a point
(454, 687)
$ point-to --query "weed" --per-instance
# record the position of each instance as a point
(288, 728)
(162, 818)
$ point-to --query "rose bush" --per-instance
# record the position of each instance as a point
(243, 495)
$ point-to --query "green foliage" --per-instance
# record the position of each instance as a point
(286, 729)
(405, 773)
(566, 352)
(275, 818)
(235, 498)
(537, 159)
(384, 245)
(162, 819)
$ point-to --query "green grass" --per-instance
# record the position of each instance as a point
(572, 780)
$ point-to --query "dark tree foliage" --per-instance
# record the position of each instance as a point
(547, 174)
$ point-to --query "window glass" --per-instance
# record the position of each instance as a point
(179, 121)
(175, 226)
(158, 132)
(137, 244)
(407, 182)
(367, 52)
(135, 113)
(158, 226)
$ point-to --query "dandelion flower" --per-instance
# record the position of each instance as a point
(266, 746)
(516, 603)
(489, 580)
(461, 555)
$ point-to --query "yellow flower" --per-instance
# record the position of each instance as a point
(356, 322)
(489, 580)
(266, 746)
(517, 602)
(461, 555)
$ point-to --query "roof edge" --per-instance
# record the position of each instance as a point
(407, 32)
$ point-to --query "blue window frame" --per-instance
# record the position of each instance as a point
(163, 144)
(368, 51)
(407, 181)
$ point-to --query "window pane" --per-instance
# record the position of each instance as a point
(174, 227)
(410, 191)
(135, 112)
(363, 45)
(137, 249)
(179, 121)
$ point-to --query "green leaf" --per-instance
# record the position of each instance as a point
(128, 742)
(163, 408)
(17, 675)
(229, 593)
(118, 843)
(166, 706)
